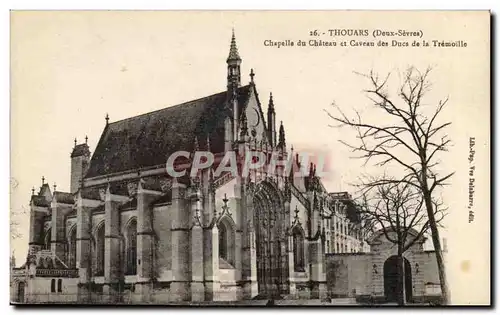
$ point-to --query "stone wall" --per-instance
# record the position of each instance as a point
(362, 274)
(348, 275)
(38, 290)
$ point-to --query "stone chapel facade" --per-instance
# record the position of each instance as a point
(127, 232)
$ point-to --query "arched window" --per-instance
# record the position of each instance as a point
(338, 248)
(327, 246)
(298, 250)
(222, 242)
(59, 285)
(72, 249)
(53, 285)
(46, 239)
(98, 251)
(226, 243)
(131, 234)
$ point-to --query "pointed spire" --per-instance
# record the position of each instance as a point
(43, 180)
(252, 74)
(75, 142)
(281, 141)
(86, 139)
(55, 186)
(107, 118)
(233, 50)
(271, 103)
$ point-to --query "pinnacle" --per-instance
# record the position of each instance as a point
(233, 50)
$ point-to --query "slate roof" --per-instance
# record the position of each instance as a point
(39, 201)
(233, 50)
(147, 140)
(81, 149)
(91, 193)
(64, 197)
(43, 189)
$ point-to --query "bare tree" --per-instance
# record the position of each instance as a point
(406, 136)
(397, 210)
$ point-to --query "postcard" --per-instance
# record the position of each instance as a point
(273, 158)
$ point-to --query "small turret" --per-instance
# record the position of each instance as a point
(233, 84)
(80, 158)
(233, 66)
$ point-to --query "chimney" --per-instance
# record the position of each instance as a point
(80, 158)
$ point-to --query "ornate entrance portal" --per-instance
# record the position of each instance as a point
(271, 241)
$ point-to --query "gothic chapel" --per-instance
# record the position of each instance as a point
(127, 232)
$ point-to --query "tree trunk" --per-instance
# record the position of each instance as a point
(445, 295)
(401, 280)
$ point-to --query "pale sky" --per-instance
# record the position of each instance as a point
(68, 69)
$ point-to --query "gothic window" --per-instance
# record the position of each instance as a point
(222, 242)
(131, 267)
(345, 249)
(72, 249)
(298, 249)
(53, 285)
(46, 239)
(59, 285)
(226, 242)
(338, 248)
(98, 251)
(327, 246)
